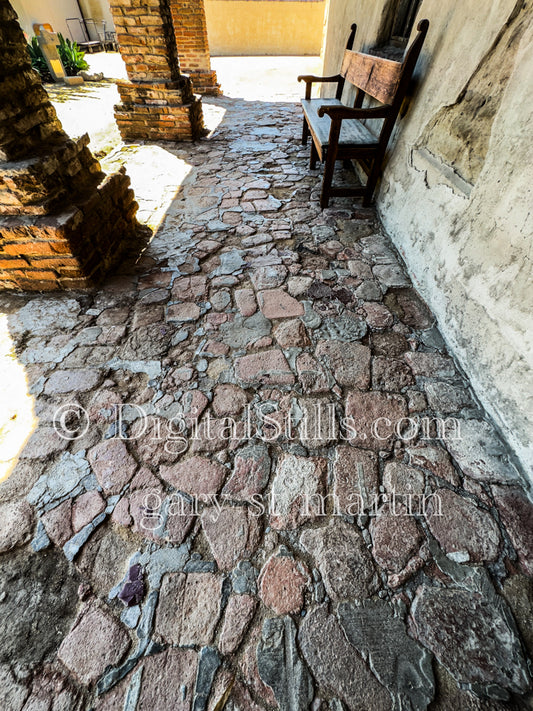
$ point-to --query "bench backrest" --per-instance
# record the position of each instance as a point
(375, 76)
(382, 79)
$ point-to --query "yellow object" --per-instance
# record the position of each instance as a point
(57, 66)
(259, 27)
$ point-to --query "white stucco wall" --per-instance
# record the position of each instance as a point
(56, 12)
(467, 242)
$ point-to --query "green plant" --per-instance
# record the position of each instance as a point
(38, 61)
(71, 56)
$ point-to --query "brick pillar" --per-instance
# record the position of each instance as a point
(190, 28)
(63, 222)
(158, 101)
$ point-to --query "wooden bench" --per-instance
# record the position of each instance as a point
(338, 131)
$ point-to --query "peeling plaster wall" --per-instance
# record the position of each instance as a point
(456, 193)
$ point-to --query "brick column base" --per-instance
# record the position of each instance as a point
(204, 82)
(54, 239)
(159, 111)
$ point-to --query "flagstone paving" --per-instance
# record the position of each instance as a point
(252, 498)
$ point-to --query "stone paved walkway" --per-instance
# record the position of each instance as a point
(258, 478)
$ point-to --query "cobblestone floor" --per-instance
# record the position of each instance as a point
(281, 516)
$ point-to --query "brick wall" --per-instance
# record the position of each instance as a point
(190, 28)
(157, 103)
(63, 223)
(144, 33)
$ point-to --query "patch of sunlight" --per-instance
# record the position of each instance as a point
(213, 114)
(156, 177)
(17, 419)
(88, 109)
(264, 78)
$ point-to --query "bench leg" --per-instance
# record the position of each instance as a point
(305, 133)
(372, 181)
(314, 156)
(328, 179)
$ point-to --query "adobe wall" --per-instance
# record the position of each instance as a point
(259, 27)
(456, 192)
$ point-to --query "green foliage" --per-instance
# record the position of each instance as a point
(72, 58)
(38, 61)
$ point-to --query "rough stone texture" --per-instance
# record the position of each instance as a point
(67, 381)
(282, 584)
(311, 374)
(268, 277)
(400, 664)
(266, 368)
(396, 537)
(403, 480)
(297, 491)
(113, 465)
(343, 560)
(38, 604)
(44, 442)
(249, 668)
(518, 591)
(189, 608)
(86, 508)
(356, 480)
(12, 695)
(251, 470)
(58, 523)
(280, 666)
(95, 641)
(349, 362)
(239, 613)
(228, 400)
(391, 374)
(445, 398)
(337, 666)
(435, 460)
(318, 426)
(245, 301)
(473, 639)
(431, 365)
(16, 524)
(169, 679)
(275, 303)
(480, 453)
(375, 416)
(198, 476)
(291, 334)
(233, 533)
(183, 312)
(461, 527)
(516, 512)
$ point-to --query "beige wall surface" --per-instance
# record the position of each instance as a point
(37, 11)
(456, 195)
(259, 27)
(55, 13)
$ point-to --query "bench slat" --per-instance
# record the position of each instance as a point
(376, 76)
(353, 132)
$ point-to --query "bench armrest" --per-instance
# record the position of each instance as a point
(345, 112)
(310, 79)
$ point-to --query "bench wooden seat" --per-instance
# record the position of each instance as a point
(337, 130)
(353, 132)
